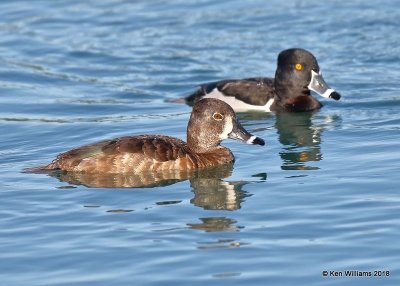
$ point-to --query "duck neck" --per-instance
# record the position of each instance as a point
(285, 91)
(201, 140)
(201, 143)
(286, 86)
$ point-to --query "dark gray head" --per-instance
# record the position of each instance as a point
(298, 72)
(212, 121)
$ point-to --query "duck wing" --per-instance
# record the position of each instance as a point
(121, 155)
(253, 91)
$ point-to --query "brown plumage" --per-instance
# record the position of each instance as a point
(211, 121)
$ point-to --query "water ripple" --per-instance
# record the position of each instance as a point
(322, 194)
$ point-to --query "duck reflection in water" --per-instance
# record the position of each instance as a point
(216, 224)
(300, 139)
(211, 192)
(208, 185)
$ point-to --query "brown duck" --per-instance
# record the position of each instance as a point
(211, 121)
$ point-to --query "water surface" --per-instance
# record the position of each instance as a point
(321, 195)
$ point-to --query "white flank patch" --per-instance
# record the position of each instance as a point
(236, 104)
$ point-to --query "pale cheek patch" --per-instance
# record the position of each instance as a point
(228, 127)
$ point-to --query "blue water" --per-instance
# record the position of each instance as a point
(322, 195)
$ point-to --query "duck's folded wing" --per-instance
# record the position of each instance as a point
(254, 91)
(120, 155)
(156, 147)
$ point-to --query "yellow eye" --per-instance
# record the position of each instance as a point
(298, 67)
(218, 116)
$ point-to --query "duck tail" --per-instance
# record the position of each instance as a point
(42, 169)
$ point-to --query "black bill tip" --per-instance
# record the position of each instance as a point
(256, 140)
(335, 95)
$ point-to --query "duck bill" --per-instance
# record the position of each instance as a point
(239, 133)
(318, 85)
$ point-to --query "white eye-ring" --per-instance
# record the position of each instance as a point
(218, 116)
